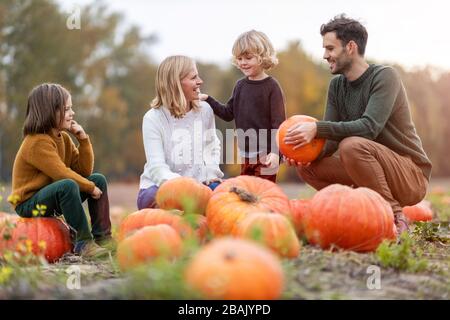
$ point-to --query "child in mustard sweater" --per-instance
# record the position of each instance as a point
(50, 170)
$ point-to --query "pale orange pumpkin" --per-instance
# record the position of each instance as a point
(48, 237)
(147, 243)
(235, 269)
(355, 219)
(299, 208)
(199, 223)
(419, 212)
(234, 198)
(185, 194)
(273, 230)
(304, 154)
(151, 217)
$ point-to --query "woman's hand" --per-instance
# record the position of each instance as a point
(77, 130)
(301, 134)
(97, 193)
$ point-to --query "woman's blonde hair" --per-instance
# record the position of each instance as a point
(257, 43)
(169, 92)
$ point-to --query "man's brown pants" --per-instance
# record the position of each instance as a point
(364, 163)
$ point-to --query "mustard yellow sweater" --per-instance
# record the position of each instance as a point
(46, 158)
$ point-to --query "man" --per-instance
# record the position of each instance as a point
(371, 139)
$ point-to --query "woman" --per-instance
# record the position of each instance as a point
(178, 132)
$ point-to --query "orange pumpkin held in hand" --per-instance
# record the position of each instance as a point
(305, 154)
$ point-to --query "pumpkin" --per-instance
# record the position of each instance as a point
(48, 237)
(198, 223)
(299, 208)
(151, 217)
(304, 154)
(419, 212)
(148, 243)
(235, 269)
(355, 219)
(234, 198)
(185, 194)
(272, 230)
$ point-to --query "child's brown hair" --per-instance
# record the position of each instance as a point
(45, 102)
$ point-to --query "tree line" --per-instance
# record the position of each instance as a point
(110, 73)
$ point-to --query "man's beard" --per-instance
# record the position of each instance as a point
(342, 66)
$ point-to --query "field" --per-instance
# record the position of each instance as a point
(417, 268)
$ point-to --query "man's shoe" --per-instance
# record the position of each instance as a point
(90, 250)
(401, 222)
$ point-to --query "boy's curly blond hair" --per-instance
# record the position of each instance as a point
(257, 43)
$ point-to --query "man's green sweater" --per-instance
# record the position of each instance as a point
(374, 107)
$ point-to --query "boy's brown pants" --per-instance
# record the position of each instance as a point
(364, 163)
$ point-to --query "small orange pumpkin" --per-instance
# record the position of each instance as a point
(235, 269)
(185, 194)
(305, 154)
(148, 243)
(355, 219)
(151, 217)
(234, 198)
(272, 230)
(299, 208)
(419, 212)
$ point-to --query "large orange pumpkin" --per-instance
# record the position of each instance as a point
(419, 212)
(151, 217)
(305, 154)
(235, 269)
(234, 198)
(148, 243)
(355, 219)
(185, 194)
(272, 230)
(49, 237)
(299, 208)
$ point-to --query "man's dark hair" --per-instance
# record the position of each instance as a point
(347, 29)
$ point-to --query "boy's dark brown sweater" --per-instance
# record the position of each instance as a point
(254, 104)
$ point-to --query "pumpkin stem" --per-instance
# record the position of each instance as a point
(244, 195)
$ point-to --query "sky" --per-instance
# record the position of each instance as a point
(411, 33)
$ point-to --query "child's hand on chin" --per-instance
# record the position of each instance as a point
(77, 130)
